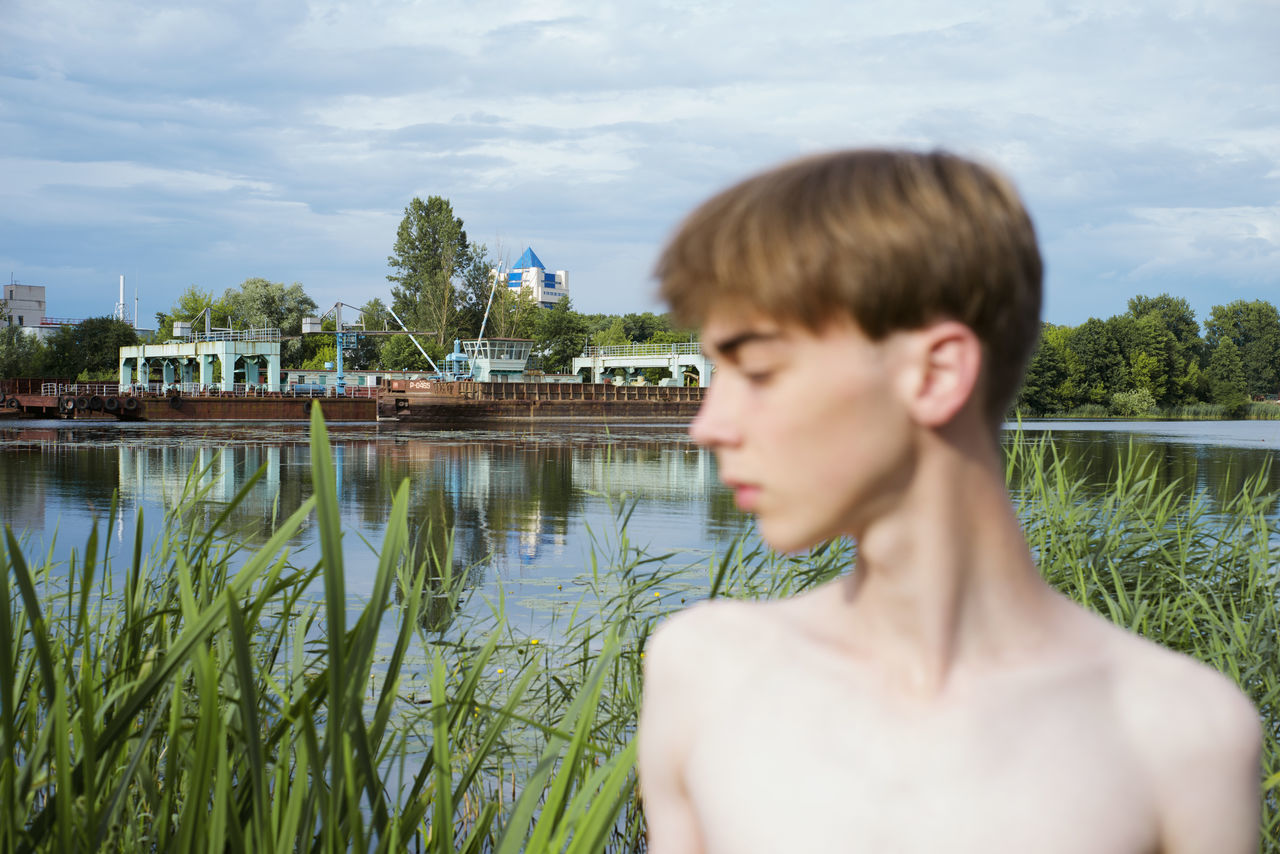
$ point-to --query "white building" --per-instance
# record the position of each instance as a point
(24, 306)
(546, 288)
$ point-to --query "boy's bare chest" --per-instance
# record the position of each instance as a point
(790, 762)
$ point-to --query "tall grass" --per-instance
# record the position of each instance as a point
(197, 696)
(178, 705)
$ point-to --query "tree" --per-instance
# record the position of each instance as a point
(398, 354)
(21, 354)
(91, 348)
(1098, 370)
(514, 314)
(560, 335)
(189, 304)
(260, 304)
(613, 335)
(642, 327)
(1168, 332)
(430, 251)
(1178, 318)
(1041, 388)
(1129, 404)
(1254, 328)
(368, 355)
(1226, 376)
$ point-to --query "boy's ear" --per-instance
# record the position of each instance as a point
(946, 359)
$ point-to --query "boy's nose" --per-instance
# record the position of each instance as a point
(714, 424)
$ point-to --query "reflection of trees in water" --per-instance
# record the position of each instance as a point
(1216, 472)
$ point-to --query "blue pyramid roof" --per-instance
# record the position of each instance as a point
(528, 260)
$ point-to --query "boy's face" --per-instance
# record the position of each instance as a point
(808, 428)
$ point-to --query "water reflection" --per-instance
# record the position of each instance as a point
(516, 505)
(519, 506)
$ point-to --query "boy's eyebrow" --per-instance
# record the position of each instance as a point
(727, 347)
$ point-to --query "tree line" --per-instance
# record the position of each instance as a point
(442, 284)
(1153, 359)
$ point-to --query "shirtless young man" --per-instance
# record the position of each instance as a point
(870, 314)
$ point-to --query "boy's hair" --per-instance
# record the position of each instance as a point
(891, 239)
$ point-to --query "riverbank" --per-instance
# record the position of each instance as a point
(1257, 411)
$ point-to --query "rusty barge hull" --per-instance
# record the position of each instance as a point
(152, 409)
(461, 403)
(256, 409)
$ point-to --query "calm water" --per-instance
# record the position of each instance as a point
(523, 506)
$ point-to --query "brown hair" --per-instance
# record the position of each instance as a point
(892, 239)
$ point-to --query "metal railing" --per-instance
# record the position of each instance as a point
(634, 350)
(264, 334)
(55, 389)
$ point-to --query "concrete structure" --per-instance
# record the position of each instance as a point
(546, 288)
(23, 306)
(629, 359)
(188, 365)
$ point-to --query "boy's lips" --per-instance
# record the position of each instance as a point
(745, 495)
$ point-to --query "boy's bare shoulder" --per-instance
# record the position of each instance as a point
(712, 626)
(1198, 736)
(1175, 703)
(714, 644)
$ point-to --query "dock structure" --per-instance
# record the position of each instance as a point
(188, 364)
(633, 358)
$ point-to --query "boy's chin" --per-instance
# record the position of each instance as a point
(786, 540)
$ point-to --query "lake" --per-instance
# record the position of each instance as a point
(523, 505)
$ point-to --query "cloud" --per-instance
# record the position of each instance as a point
(214, 142)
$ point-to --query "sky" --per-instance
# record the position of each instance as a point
(205, 143)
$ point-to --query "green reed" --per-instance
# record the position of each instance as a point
(169, 701)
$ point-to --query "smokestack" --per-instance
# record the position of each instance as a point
(135, 308)
(120, 305)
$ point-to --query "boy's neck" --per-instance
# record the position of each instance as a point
(944, 583)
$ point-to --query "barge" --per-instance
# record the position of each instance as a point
(465, 402)
(421, 402)
(485, 381)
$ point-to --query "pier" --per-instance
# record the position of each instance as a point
(633, 358)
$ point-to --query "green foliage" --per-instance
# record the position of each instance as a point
(1268, 411)
(368, 350)
(1254, 329)
(1131, 404)
(257, 304)
(431, 249)
(1155, 347)
(90, 348)
(397, 353)
(325, 352)
(200, 698)
(1226, 376)
(21, 355)
(643, 327)
(1100, 365)
(673, 336)
(615, 334)
(560, 336)
(1042, 389)
(189, 304)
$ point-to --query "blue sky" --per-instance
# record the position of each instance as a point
(187, 143)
